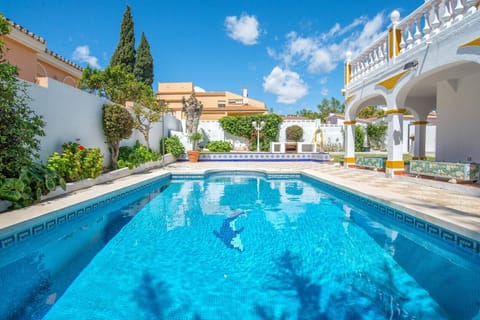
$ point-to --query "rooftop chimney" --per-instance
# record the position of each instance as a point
(245, 95)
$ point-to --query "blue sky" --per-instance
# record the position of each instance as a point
(289, 54)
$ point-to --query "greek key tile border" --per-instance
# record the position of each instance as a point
(261, 156)
(461, 242)
(56, 218)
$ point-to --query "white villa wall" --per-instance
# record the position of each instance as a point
(70, 114)
(430, 139)
(75, 115)
(458, 115)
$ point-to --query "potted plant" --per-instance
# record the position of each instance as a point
(194, 154)
(193, 110)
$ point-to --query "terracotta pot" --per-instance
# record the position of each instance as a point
(193, 155)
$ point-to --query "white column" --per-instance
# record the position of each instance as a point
(395, 163)
(420, 137)
(349, 145)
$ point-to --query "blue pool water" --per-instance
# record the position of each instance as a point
(237, 247)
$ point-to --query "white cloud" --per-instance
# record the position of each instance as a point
(198, 89)
(244, 29)
(324, 80)
(324, 91)
(323, 53)
(82, 54)
(286, 84)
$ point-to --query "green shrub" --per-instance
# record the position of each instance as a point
(172, 145)
(133, 157)
(33, 182)
(77, 162)
(219, 146)
(376, 135)
(359, 138)
(117, 125)
(241, 126)
(294, 133)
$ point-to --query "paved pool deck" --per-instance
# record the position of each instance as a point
(455, 207)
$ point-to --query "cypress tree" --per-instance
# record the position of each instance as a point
(144, 62)
(125, 52)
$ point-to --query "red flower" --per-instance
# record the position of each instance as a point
(81, 147)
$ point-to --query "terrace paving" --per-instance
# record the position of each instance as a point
(457, 209)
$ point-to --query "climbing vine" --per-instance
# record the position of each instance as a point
(241, 126)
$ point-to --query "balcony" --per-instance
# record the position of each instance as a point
(407, 37)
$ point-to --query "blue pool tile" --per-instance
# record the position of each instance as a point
(446, 235)
(420, 224)
(24, 234)
(50, 224)
(38, 228)
(8, 241)
(409, 220)
(433, 229)
(465, 243)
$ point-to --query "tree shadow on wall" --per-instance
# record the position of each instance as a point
(153, 297)
(361, 294)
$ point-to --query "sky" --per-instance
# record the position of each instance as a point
(289, 54)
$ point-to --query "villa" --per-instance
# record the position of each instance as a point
(34, 60)
(428, 61)
(215, 104)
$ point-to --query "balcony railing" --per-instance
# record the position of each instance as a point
(421, 26)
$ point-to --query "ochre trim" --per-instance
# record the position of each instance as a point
(349, 160)
(473, 43)
(347, 73)
(391, 82)
(392, 111)
(419, 123)
(348, 122)
(348, 99)
(391, 164)
(394, 47)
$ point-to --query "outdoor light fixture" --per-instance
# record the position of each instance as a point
(410, 65)
(258, 127)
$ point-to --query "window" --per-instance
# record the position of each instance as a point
(221, 103)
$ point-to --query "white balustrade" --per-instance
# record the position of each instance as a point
(436, 16)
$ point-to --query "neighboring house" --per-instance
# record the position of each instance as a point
(29, 53)
(215, 104)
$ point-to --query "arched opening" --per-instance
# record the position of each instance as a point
(70, 81)
(41, 72)
(444, 118)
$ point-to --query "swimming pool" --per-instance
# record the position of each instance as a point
(240, 245)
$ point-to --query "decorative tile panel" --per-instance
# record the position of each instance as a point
(260, 156)
(448, 170)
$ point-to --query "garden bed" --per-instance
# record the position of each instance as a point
(104, 178)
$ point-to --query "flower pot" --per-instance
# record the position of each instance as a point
(193, 155)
